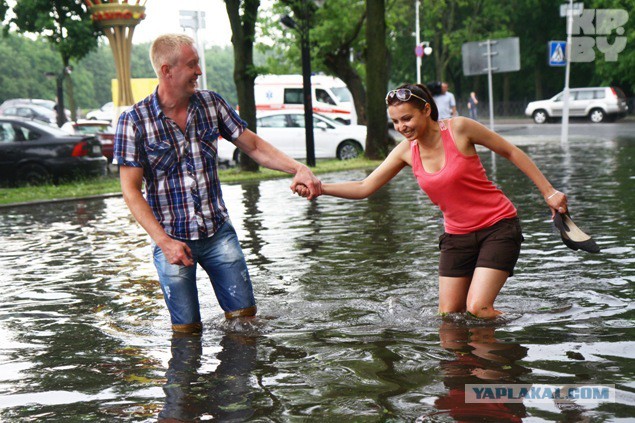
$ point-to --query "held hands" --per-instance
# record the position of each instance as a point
(302, 190)
(306, 184)
(557, 201)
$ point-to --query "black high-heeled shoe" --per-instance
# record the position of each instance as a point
(572, 236)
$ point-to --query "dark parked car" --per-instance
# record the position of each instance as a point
(102, 129)
(32, 152)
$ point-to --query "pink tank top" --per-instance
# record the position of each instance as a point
(469, 201)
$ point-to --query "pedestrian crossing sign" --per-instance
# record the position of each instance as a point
(557, 53)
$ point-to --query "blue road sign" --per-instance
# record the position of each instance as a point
(557, 53)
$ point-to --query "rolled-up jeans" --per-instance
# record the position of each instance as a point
(223, 260)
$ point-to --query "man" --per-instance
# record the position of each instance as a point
(445, 102)
(472, 106)
(169, 141)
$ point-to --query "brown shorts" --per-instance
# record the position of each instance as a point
(496, 247)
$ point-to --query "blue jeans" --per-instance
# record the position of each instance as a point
(223, 260)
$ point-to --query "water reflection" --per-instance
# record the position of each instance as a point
(193, 393)
(253, 224)
(478, 358)
(348, 295)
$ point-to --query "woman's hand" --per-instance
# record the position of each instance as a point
(302, 190)
(557, 201)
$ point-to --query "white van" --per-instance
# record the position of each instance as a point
(330, 97)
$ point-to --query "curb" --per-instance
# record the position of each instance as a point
(60, 200)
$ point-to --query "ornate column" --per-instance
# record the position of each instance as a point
(117, 19)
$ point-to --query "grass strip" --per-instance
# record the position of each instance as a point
(110, 184)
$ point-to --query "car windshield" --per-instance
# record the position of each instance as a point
(342, 94)
(329, 120)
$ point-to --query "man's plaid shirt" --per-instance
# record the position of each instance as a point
(179, 168)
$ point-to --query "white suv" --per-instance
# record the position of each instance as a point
(597, 103)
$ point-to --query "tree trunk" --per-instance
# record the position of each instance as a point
(243, 35)
(376, 80)
(340, 65)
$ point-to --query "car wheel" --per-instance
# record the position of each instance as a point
(34, 174)
(540, 116)
(597, 116)
(236, 157)
(348, 150)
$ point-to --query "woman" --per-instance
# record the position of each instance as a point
(481, 243)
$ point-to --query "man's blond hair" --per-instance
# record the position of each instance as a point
(166, 49)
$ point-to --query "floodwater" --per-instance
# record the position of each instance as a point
(347, 293)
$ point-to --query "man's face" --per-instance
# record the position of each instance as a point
(186, 71)
(444, 88)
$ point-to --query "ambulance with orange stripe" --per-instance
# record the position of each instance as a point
(330, 96)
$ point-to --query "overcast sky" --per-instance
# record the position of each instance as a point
(162, 16)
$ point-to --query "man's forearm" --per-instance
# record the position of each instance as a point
(142, 213)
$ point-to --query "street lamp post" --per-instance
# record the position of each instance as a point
(418, 42)
(568, 11)
(305, 48)
(421, 48)
(195, 20)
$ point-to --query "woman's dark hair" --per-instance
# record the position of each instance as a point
(420, 91)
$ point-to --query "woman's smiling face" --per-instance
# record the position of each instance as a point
(409, 121)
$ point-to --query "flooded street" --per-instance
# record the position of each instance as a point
(347, 297)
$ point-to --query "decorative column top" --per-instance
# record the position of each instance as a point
(114, 13)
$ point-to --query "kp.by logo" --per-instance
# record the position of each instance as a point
(606, 20)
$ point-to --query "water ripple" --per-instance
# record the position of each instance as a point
(347, 297)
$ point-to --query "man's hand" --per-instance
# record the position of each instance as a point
(177, 252)
(306, 178)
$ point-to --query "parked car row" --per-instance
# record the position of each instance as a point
(33, 153)
(33, 150)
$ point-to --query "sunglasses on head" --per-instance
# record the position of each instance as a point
(402, 94)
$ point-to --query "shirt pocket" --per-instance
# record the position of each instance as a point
(209, 142)
(161, 154)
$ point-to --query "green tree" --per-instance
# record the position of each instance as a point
(220, 70)
(619, 72)
(29, 61)
(339, 32)
(401, 41)
(242, 18)
(63, 23)
(336, 34)
(376, 80)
